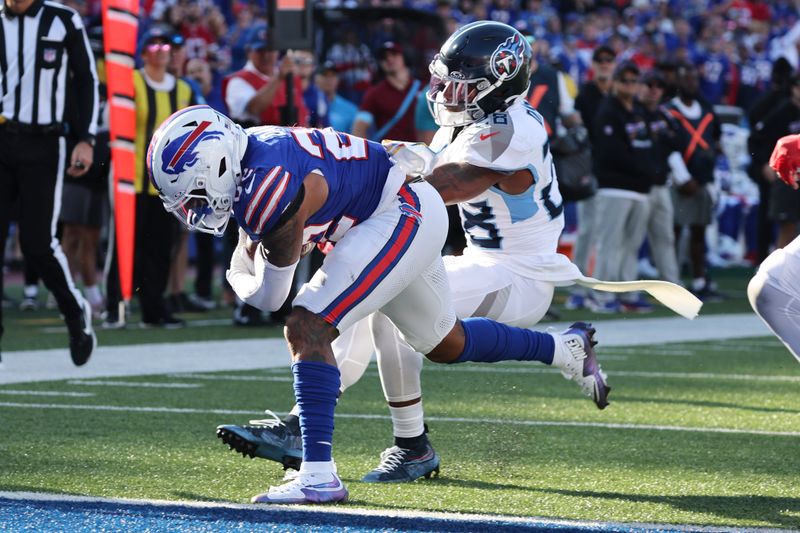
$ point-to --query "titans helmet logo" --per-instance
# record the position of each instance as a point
(181, 153)
(508, 58)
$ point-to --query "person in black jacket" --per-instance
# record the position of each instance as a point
(588, 100)
(621, 152)
(784, 202)
(660, 232)
(697, 134)
(758, 170)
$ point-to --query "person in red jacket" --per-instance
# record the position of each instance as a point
(257, 94)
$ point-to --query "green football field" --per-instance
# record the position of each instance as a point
(701, 433)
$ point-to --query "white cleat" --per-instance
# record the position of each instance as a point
(306, 488)
(575, 357)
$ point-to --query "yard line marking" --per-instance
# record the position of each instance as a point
(356, 416)
(14, 392)
(615, 373)
(223, 377)
(142, 384)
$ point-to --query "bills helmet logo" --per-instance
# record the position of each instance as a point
(508, 58)
(182, 153)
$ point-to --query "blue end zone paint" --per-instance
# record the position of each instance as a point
(54, 515)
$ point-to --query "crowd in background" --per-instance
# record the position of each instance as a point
(367, 76)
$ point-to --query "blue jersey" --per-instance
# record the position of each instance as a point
(277, 160)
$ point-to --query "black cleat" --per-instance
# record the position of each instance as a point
(401, 465)
(268, 439)
(82, 340)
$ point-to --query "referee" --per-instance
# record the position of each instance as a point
(43, 47)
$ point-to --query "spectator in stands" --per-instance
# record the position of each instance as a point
(239, 33)
(257, 94)
(548, 93)
(697, 133)
(587, 102)
(660, 230)
(341, 113)
(784, 202)
(195, 29)
(158, 94)
(387, 110)
(622, 153)
(312, 96)
(353, 61)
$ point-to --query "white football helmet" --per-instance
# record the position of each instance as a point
(194, 161)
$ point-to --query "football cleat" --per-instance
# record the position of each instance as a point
(576, 359)
(82, 339)
(269, 439)
(400, 465)
(306, 488)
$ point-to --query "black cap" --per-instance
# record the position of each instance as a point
(626, 66)
(327, 66)
(603, 49)
(653, 76)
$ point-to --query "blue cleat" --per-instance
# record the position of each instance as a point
(268, 439)
(306, 488)
(400, 465)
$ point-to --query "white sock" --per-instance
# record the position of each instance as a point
(93, 294)
(698, 283)
(408, 421)
(295, 411)
(319, 470)
(31, 291)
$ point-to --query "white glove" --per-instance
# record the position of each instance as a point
(416, 159)
(255, 281)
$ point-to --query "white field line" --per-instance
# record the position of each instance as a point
(542, 423)
(46, 393)
(223, 377)
(613, 373)
(282, 510)
(143, 384)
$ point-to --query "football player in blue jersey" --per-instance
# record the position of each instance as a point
(293, 188)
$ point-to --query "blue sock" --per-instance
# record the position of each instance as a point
(487, 341)
(316, 387)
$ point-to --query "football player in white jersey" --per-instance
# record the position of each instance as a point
(491, 156)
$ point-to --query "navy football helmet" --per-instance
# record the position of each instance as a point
(482, 68)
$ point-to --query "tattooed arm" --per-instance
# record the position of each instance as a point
(460, 182)
(264, 279)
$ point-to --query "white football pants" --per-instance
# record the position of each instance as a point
(774, 294)
(477, 290)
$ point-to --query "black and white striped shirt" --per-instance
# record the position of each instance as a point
(38, 51)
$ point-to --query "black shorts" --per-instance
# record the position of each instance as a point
(83, 205)
(784, 203)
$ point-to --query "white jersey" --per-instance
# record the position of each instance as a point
(520, 231)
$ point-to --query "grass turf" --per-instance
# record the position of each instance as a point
(642, 474)
(625, 473)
